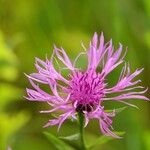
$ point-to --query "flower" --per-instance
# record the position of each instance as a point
(84, 91)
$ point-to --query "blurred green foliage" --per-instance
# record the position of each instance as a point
(29, 28)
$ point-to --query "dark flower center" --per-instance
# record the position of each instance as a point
(86, 107)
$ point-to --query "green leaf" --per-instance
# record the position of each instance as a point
(103, 139)
(58, 143)
(72, 140)
(117, 110)
(73, 137)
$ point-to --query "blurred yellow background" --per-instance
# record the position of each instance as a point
(29, 28)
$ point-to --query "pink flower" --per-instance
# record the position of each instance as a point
(85, 90)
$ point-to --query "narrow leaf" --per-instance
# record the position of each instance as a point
(59, 144)
(73, 137)
(103, 139)
(117, 110)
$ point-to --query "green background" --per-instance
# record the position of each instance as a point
(29, 28)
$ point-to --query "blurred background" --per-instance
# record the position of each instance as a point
(29, 28)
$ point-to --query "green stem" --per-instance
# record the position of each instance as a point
(81, 129)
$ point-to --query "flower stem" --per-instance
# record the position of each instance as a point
(81, 130)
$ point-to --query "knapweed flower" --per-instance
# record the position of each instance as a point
(86, 90)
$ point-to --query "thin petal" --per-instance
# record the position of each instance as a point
(61, 54)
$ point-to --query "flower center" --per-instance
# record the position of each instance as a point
(87, 90)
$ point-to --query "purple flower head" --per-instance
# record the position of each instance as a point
(84, 90)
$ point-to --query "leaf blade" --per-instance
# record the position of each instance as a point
(58, 143)
(103, 139)
(73, 137)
